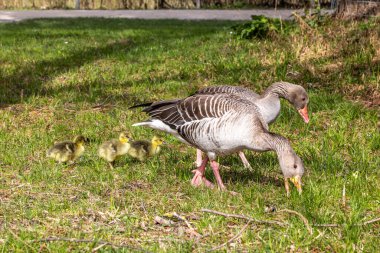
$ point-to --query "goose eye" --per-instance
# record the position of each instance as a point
(295, 166)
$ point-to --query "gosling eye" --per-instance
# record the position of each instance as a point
(295, 166)
(303, 99)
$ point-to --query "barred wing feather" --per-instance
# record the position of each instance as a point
(227, 89)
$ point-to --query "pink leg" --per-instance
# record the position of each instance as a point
(215, 169)
(244, 160)
(198, 162)
(199, 175)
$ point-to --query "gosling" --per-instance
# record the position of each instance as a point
(67, 151)
(143, 149)
(110, 150)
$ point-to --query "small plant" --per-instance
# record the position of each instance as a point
(316, 19)
(259, 27)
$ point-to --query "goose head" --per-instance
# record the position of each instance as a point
(157, 141)
(124, 137)
(80, 140)
(299, 99)
(292, 169)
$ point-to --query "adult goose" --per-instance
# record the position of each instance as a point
(221, 124)
(268, 103)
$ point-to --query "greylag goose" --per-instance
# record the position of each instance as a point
(221, 124)
(268, 103)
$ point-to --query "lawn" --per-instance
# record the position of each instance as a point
(64, 77)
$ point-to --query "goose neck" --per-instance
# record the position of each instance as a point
(278, 90)
(278, 143)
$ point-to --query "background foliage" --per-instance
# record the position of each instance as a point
(147, 4)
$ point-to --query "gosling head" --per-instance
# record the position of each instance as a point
(80, 140)
(298, 97)
(293, 169)
(124, 137)
(157, 141)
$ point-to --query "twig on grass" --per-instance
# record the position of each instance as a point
(334, 225)
(344, 196)
(326, 225)
(99, 247)
(239, 216)
(76, 240)
(305, 221)
(155, 240)
(192, 230)
(238, 235)
(163, 222)
(369, 222)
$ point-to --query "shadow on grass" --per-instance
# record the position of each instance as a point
(30, 78)
(264, 165)
(232, 170)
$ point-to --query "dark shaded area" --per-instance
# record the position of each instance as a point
(29, 80)
(31, 76)
(232, 170)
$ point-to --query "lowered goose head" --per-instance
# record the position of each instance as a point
(291, 164)
(292, 169)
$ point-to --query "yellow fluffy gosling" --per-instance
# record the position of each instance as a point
(143, 149)
(67, 150)
(114, 148)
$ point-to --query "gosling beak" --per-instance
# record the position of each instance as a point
(297, 183)
(304, 114)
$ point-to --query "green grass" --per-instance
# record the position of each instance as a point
(60, 78)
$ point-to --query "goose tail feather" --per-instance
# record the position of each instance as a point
(141, 105)
(151, 106)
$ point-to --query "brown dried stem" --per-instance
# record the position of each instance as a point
(238, 235)
(238, 216)
(100, 242)
(305, 221)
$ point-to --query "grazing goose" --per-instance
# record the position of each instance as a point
(143, 149)
(114, 148)
(268, 103)
(67, 150)
(222, 124)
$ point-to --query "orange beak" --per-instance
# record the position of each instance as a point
(297, 183)
(303, 113)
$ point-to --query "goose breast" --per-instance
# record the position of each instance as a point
(269, 108)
